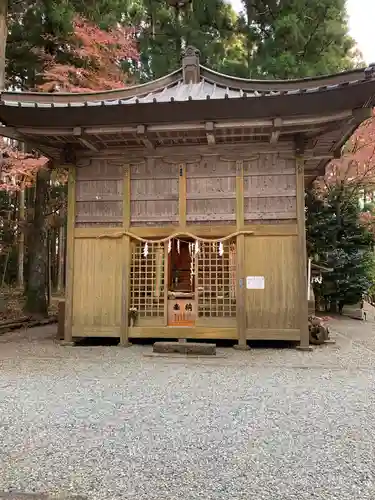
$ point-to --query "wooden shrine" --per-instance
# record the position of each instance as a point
(186, 198)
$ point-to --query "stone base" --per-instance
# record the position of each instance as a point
(67, 343)
(185, 348)
(240, 347)
(124, 344)
(304, 348)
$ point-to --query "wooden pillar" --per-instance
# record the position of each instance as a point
(240, 247)
(302, 262)
(68, 323)
(182, 195)
(126, 263)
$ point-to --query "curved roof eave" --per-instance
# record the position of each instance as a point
(124, 93)
(233, 82)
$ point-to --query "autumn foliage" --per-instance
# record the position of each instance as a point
(93, 59)
(356, 167)
(18, 169)
(354, 172)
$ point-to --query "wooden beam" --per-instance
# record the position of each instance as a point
(141, 133)
(50, 131)
(78, 132)
(300, 144)
(126, 198)
(210, 133)
(241, 293)
(275, 134)
(183, 126)
(182, 194)
(70, 256)
(183, 152)
(127, 256)
(125, 292)
(11, 133)
(14, 134)
(240, 217)
(302, 260)
(362, 114)
(88, 144)
(208, 231)
(240, 255)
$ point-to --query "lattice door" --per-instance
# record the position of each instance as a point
(147, 277)
(216, 281)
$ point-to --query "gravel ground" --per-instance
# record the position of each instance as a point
(111, 423)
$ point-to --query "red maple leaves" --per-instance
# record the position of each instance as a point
(95, 59)
(18, 169)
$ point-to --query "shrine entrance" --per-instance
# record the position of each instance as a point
(183, 282)
(182, 310)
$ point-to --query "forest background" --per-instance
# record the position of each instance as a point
(78, 45)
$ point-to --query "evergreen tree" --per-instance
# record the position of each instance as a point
(337, 238)
(210, 26)
(295, 38)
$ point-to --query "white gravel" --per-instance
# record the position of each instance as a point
(110, 423)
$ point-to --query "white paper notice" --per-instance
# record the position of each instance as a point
(255, 282)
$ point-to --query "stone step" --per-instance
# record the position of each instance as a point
(195, 348)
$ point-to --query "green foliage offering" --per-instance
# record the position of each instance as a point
(338, 239)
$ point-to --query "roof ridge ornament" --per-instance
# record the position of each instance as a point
(370, 71)
(190, 65)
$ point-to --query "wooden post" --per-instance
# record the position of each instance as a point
(68, 323)
(166, 282)
(240, 286)
(126, 265)
(182, 195)
(302, 263)
(3, 40)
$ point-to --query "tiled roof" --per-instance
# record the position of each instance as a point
(172, 88)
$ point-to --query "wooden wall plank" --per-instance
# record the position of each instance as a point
(269, 188)
(277, 259)
(99, 194)
(98, 283)
(211, 190)
(154, 193)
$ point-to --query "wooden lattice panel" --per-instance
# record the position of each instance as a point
(216, 279)
(147, 280)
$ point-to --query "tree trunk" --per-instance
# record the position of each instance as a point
(3, 40)
(21, 242)
(36, 294)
